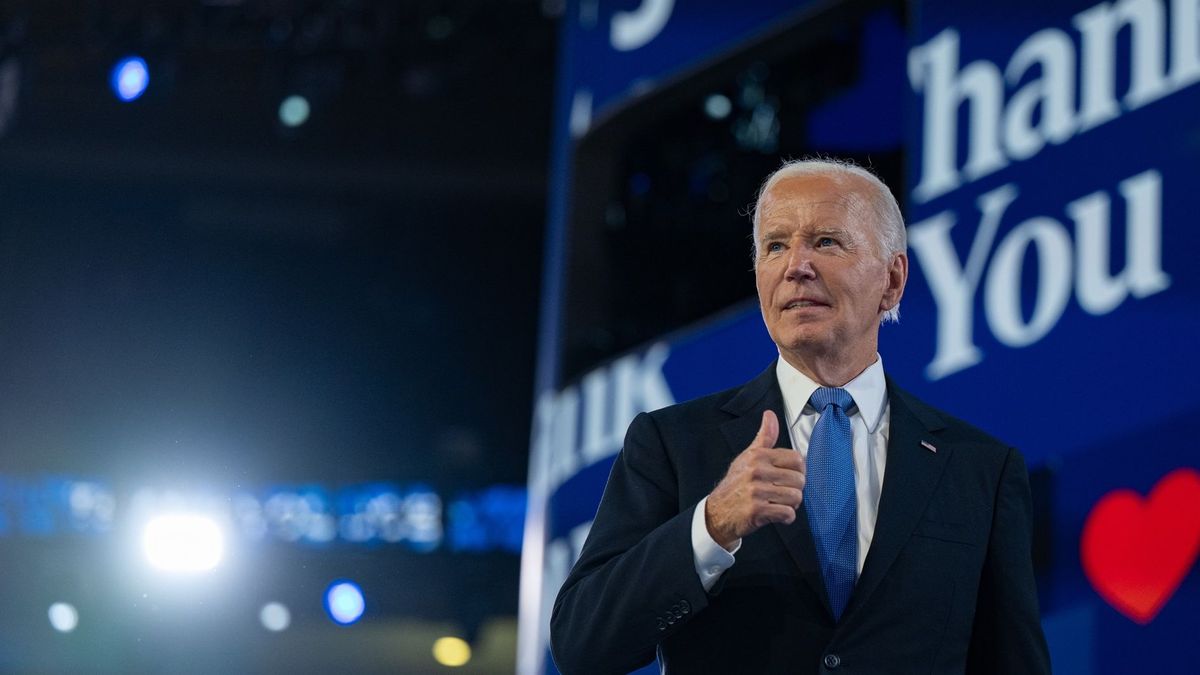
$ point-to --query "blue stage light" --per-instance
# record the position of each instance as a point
(344, 602)
(130, 77)
(717, 106)
(294, 110)
(275, 616)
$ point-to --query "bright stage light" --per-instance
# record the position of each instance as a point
(275, 616)
(183, 543)
(294, 111)
(63, 617)
(130, 77)
(451, 651)
(344, 602)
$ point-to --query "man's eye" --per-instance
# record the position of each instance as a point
(774, 247)
(826, 241)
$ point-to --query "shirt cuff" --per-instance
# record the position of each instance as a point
(710, 558)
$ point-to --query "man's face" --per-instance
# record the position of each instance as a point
(822, 282)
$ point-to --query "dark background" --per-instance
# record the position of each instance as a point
(196, 297)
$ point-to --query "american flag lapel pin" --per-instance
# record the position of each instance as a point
(928, 446)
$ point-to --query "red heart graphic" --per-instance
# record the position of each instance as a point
(1137, 551)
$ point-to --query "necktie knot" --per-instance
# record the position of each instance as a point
(825, 396)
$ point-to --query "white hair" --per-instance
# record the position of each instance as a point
(889, 232)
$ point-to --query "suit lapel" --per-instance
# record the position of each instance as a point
(762, 393)
(911, 477)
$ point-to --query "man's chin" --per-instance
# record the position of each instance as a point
(806, 341)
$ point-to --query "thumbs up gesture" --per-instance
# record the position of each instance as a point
(764, 484)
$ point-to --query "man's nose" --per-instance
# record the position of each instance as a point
(799, 264)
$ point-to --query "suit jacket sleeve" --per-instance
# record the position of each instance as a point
(635, 583)
(1007, 635)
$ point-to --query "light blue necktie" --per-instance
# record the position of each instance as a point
(829, 495)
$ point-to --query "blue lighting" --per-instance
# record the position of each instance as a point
(130, 78)
(488, 520)
(344, 602)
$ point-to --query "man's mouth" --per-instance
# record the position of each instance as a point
(797, 304)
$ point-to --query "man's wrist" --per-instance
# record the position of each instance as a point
(710, 558)
(726, 541)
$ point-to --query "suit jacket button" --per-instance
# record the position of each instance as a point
(670, 619)
(662, 625)
(685, 606)
(832, 661)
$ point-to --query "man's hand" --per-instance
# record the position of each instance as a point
(764, 484)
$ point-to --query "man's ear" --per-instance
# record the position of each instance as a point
(897, 277)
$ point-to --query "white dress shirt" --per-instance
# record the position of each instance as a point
(869, 424)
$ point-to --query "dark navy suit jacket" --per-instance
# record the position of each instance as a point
(947, 586)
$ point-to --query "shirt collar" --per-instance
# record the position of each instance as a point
(868, 389)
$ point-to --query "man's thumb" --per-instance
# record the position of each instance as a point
(768, 431)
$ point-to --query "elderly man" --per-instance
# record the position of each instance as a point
(818, 518)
